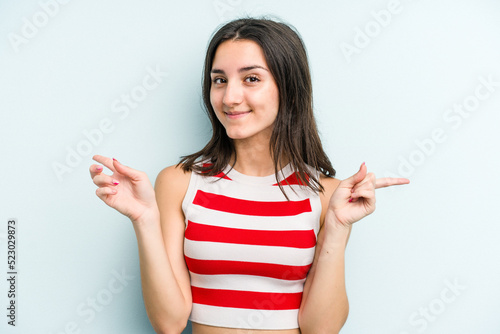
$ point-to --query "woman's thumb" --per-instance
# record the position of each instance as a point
(357, 177)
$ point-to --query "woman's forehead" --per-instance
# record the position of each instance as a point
(240, 55)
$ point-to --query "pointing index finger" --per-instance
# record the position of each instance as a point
(390, 181)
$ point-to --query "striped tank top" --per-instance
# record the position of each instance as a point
(248, 249)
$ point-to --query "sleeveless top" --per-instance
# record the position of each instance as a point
(248, 249)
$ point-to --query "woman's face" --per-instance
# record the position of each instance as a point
(243, 93)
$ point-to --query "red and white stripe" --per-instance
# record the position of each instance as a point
(248, 249)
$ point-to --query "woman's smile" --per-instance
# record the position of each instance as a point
(237, 114)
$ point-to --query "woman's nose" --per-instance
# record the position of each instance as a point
(233, 94)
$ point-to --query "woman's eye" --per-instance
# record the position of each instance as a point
(218, 80)
(252, 79)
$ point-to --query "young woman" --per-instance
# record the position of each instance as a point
(247, 235)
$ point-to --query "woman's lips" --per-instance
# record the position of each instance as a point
(237, 114)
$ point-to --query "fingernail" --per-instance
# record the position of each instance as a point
(116, 160)
(113, 191)
(115, 182)
(98, 167)
(350, 200)
(363, 163)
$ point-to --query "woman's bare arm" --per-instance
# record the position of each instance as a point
(158, 222)
(324, 306)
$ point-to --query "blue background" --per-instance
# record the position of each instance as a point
(385, 89)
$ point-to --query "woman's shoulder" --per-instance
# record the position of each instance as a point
(174, 171)
(173, 178)
(329, 183)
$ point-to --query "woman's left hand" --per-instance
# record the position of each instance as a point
(354, 198)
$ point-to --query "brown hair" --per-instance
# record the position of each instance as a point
(295, 135)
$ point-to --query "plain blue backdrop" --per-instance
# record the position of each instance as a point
(410, 87)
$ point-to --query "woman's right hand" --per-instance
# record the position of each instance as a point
(127, 190)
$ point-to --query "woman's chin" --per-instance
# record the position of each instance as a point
(237, 136)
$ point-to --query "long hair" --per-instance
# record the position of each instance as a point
(295, 135)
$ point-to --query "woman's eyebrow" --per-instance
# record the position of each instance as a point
(243, 69)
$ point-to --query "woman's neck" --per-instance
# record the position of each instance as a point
(254, 159)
